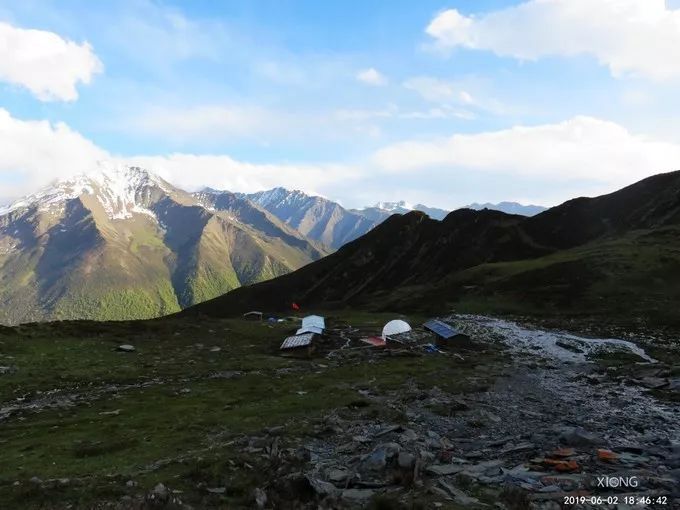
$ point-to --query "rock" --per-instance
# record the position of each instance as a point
(375, 461)
(275, 431)
(550, 488)
(160, 492)
(458, 495)
(260, 497)
(8, 370)
(322, 488)
(215, 349)
(357, 495)
(387, 430)
(578, 437)
(35, 480)
(131, 483)
(444, 469)
(338, 475)
(110, 413)
(378, 458)
(125, 348)
(408, 436)
(406, 460)
(217, 490)
(653, 383)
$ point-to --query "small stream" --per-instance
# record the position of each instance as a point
(556, 345)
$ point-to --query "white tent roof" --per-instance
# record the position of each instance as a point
(395, 327)
(314, 321)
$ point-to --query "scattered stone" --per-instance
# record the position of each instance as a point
(322, 488)
(110, 413)
(578, 437)
(653, 383)
(388, 429)
(35, 480)
(406, 460)
(408, 436)
(338, 475)
(357, 495)
(217, 490)
(131, 483)
(444, 469)
(160, 493)
(260, 497)
(215, 349)
(8, 370)
(125, 348)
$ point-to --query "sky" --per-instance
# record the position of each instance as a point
(436, 102)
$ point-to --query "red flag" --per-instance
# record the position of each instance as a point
(296, 306)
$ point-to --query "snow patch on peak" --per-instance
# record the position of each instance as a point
(122, 191)
(394, 206)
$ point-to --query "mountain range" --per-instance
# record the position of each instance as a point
(612, 254)
(121, 243)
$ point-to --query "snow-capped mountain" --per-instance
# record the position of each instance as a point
(120, 242)
(120, 190)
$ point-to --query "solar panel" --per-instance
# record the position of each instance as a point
(297, 341)
(441, 328)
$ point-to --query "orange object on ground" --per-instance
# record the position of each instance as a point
(607, 455)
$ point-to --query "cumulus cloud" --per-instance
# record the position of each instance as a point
(582, 148)
(371, 77)
(46, 64)
(630, 37)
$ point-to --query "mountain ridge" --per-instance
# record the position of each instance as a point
(412, 260)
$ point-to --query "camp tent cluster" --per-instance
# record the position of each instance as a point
(397, 332)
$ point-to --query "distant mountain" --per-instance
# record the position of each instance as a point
(317, 218)
(383, 210)
(587, 255)
(509, 208)
(120, 243)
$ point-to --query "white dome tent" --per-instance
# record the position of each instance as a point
(395, 327)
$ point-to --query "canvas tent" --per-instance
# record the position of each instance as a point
(395, 327)
(312, 324)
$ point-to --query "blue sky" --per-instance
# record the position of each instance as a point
(439, 102)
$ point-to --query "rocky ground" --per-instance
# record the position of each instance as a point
(517, 417)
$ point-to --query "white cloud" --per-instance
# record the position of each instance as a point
(192, 171)
(438, 91)
(35, 153)
(45, 63)
(636, 37)
(582, 148)
(371, 77)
